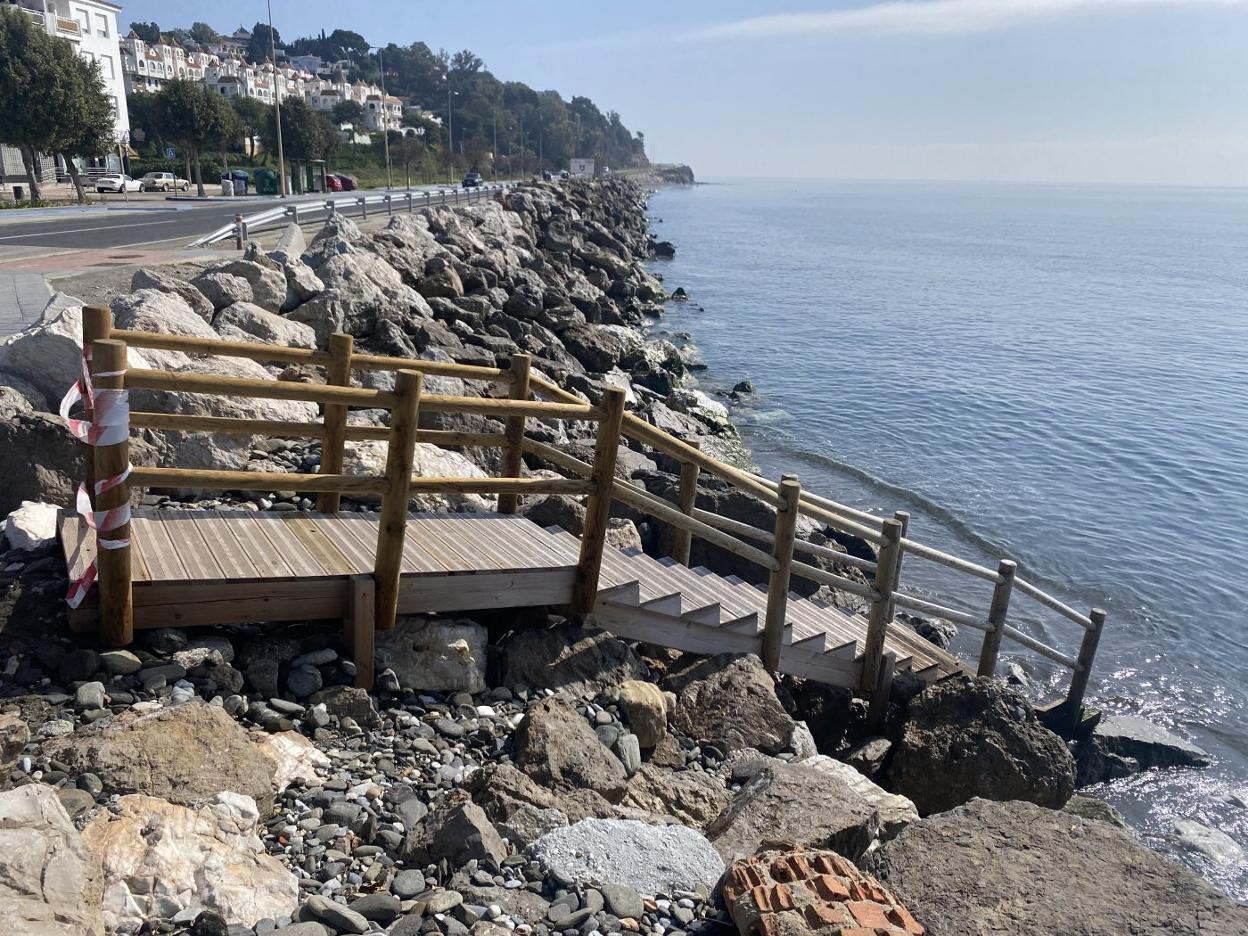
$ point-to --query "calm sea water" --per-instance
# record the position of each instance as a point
(1054, 374)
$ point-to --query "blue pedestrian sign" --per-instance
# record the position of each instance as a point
(170, 152)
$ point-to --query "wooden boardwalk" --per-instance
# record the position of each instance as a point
(198, 567)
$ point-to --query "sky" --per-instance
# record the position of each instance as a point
(1116, 91)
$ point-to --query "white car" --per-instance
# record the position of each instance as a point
(163, 182)
(118, 183)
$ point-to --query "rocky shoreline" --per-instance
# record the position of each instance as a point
(512, 771)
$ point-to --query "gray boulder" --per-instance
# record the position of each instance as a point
(572, 660)
(799, 804)
(694, 797)
(20, 396)
(458, 831)
(434, 655)
(988, 867)
(223, 289)
(649, 859)
(185, 755)
(155, 279)
(1146, 743)
(339, 235)
(556, 746)
(245, 321)
(268, 286)
(976, 738)
(730, 701)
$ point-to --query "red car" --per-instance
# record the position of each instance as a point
(333, 183)
(348, 183)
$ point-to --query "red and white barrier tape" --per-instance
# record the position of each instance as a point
(109, 425)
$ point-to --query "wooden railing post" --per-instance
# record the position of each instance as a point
(688, 500)
(97, 325)
(393, 527)
(778, 587)
(598, 507)
(111, 461)
(902, 517)
(337, 374)
(882, 608)
(1006, 568)
(513, 452)
(1079, 679)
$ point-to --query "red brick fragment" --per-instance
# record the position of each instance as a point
(857, 931)
(822, 914)
(829, 887)
(868, 914)
(903, 918)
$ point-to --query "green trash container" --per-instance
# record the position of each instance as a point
(266, 181)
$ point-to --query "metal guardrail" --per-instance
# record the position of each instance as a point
(409, 201)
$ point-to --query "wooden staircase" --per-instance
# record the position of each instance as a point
(663, 602)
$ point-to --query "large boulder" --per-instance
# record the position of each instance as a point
(339, 235)
(694, 797)
(556, 746)
(302, 284)
(268, 286)
(895, 811)
(244, 321)
(731, 702)
(523, 810)
(989, 867)
(650, 859)
(49, 881)
(434, 655)
(572, 660)
(598, 347)
(787, 891)
(969, 738)
(186, 754)
(20, 396)
(645, 707)
(795, 803)
(223, 289)
(428, 461)
(48, 354)
(165, 282)
(160, 859)
(457, 830)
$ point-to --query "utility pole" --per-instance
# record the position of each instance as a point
(522, 151)
(385, 121)
(494, 158)
(277, 104)
(541, 162)
(450, 134)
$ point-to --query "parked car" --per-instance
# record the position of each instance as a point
(333, 183)
(546, 176)
(118, 183)
(473, 180)
(163, 182)
(564, 174)
(349, 183)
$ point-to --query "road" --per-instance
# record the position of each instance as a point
(127, 229)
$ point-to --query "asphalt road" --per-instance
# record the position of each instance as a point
(115, 229)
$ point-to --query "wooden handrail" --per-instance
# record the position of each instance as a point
(274, 354)
(255, 481)
(514, 486)
(437, 368)
(485, 406)
(144, 379)
(1031, 591)
(232, 425)
(766, 536)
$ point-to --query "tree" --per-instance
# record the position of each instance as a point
(351, 112)
(252, 116)
(259, 48)
(148, 32)
(50, 99)
(203, 33)
(85, 123)
(194, 118)
(306, 133)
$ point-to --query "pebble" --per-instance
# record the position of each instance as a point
(89, 696)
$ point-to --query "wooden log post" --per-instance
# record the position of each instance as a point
(97, 325)
(337, 374)
(113, 565)
(598, 506)
(778, 586)
(361, 627)
(902, 517)
(881, 613)
(513, 452)
(393, 527)
(1006, 569)
(689, 471)
(1079, 679)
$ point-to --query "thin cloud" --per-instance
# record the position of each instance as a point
(926, 17)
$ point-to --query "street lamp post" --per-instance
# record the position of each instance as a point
(450, 134)
(277, 103)
(494, 157)
(385, 121)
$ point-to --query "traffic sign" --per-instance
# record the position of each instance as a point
(170, 152)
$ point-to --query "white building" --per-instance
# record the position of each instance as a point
(91, 26)
(148, 67)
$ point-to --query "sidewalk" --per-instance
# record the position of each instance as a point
(22, 298)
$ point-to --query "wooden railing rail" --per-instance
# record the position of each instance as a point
(143, 379)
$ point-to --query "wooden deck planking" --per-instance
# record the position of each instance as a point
(198, 566)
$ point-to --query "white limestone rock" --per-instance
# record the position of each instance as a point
(31, 526)
(369, 458)
(246, 321)
(434, 656)
(160, 859)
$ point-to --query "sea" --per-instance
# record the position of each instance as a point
(1056, 374)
